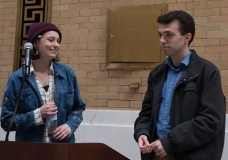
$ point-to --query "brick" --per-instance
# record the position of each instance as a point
(79, 19)
(102, 38)
(64, 60)
(119, 74)
(199, 50)
(99, 5)
(96, 103)
(221, 65)
(140, 74)
(223, 41)
(81, 32)
(89, 67)
(101, 74)
(6, 23)
(6, 11)
(200, 34)
(79, 60)
(211, 57)
(89, 39)
(224, 73)
(77, 46)
(177, 6)
(104, 11)
(68, 40)
(121, 3)
(10, 4)
(98, 31)
(96, 45)
(83, 1)
(201, 20)
(88, 53)
(196, 5)
(224, 11)
(7, 55)
(107, 96)
(129, 96)
(208, 27)
(79, 6)
(8, 42)
(217, 49)
(97, 89)
(81, 74)
(61, 7)
(145, 2)
(4, 49)
(102, 52)
(90, 12)
(136, 104)
(180, 1)
(105, 81)
(11, 17)
(98, 18)
(223, 26)
(57, 21)
(97, 60)
(113, 103)
(55, 14)
(89, 96)
(224, 57)
(4, 74)
(206, 42)
(165, 1)
(69, 13)
(217, 4)
(69, 26)
(68, 1)
(217, 34)
(86, 81)
(89, 25)
(217, 19)
(206, 12)
(127, 81)
(7, 68)
(119, 89)
(9, 29)
(139, 90)
(103, 25)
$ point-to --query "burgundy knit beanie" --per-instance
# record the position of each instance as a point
(40, 28)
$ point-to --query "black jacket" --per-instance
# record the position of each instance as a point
(197, 115)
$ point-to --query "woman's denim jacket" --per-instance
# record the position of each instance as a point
(67, 99)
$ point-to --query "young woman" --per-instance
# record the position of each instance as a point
(51, 90)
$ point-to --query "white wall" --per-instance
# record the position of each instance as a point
(113, 128)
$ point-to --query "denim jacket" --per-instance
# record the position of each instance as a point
(68, 100)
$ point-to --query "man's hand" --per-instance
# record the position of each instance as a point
(144, 144)
(158, 148)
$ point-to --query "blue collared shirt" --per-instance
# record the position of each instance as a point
(173, 76)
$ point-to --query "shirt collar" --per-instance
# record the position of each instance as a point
(184, 62)
(50, 71)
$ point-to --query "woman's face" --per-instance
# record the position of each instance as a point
(48, 45)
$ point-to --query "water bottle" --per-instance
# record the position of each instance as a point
(51, 125)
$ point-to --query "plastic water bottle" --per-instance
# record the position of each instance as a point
(52, 125)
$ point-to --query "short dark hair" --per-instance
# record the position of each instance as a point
(186, 22)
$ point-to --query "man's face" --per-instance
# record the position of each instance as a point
(171, 41)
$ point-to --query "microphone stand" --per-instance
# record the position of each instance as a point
(24, 68)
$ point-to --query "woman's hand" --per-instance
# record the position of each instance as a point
(61, 132)
(48, 109)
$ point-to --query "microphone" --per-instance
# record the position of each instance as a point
(28, 49)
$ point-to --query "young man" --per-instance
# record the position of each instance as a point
(183, 111)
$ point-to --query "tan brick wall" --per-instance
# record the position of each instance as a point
(83, 24)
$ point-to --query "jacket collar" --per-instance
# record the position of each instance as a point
(57, 70)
